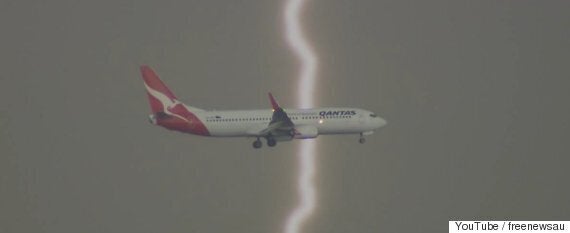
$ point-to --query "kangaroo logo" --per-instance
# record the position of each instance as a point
(167, 103)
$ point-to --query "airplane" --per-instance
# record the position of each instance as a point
(275, 124)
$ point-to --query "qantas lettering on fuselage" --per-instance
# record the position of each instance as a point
(337, 113)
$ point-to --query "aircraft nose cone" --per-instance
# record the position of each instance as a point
(379, 122)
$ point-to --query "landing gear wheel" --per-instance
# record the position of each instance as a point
(362, 140)
(271, 142)
(257, 144)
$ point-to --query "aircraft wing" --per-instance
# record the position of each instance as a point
(280, 123)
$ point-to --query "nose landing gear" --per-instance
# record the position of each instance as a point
(362, 140)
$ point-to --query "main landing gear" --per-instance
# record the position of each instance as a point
(362, 140)
(257, 144)
(271, 142)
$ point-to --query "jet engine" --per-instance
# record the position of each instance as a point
(306, 131)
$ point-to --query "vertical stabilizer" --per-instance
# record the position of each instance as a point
(159, 96)
(167, 111)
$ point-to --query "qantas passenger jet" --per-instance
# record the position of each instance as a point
(276, 124)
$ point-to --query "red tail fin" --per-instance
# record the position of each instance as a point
(159, 96)
(274, 103)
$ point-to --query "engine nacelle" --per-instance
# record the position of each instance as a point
(306, 131)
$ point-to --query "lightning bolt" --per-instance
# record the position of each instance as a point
(306, 86)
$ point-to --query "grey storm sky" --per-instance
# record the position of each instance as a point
(475, 93)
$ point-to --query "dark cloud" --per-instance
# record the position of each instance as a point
(475, 94)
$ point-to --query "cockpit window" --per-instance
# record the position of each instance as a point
(373, 115)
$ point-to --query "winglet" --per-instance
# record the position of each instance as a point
(274, 104)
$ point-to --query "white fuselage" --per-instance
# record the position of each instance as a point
(326, 120)
(276, 124)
